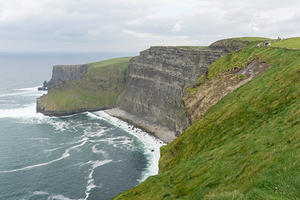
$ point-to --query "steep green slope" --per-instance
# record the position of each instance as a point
(247, 146)
(99, 88)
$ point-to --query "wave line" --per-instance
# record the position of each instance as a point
(66, 154)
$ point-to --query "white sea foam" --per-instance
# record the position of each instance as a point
(39, 139)
(33, 91)
(22, 111)
(51, 196)
(98, 151)
(66, 154)
(58, 125)
(99, 133)
(90, 183)
(51, 150)
(28, 114)
(40, 193)
(117, 142)
(28, 89)
(151, 143)
(27, 111)
(58, 197)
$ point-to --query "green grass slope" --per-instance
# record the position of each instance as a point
(291, 43)
(252, 39)
(99, 88)
(247, 146)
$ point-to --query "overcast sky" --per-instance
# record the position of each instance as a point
(134, 25)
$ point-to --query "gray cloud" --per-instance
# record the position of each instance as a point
(133, 25)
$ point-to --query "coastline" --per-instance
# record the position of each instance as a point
(56, 113)
(152, 144)
(156, 130)
(151, 141)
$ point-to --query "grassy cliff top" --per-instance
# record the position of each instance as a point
(252, 39)
(291, 43)
(99, 88)
(191, 47)
(247, 146)
(183, 47)
(114, 61)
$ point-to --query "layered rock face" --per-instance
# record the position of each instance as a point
(228, 45)
(61, 73)
(80, 88)
(158, 79)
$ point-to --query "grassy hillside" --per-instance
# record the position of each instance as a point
(99, 88)
(247, 146)
(291, 43)
(252, 39)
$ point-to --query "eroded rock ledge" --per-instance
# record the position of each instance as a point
(212, 91)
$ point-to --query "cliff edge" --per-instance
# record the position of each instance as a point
(158, 79)
(88, 87)
(245, 146)
(62, 73)
(146, 90)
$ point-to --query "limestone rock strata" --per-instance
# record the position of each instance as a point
(228, 45)
(62, 73)
(157, 81)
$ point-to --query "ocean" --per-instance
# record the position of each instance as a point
(84, 156)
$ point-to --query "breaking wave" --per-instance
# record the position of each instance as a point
(28, 92)
(152, 144)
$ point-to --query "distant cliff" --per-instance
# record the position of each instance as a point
(62, 73)
(79, 88)
(148, 95)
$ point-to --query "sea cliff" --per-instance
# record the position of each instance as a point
(149, 95)
(237, 105)
(80, 88)
(157, 80)
(62, 73)
(243, 142)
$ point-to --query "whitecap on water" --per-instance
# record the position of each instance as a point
(33, 91)
(51, 196)
(21, 110)
(90, 180)
(99, 133)
(152, 144)
(40, 193)
(58, 197)
(66, 154)
(98, 151)
(27, 111)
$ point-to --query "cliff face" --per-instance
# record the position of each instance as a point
(61, 73)
(79, 88)
(228, 45)
(157, 81)
(151, 92)
(246, 146)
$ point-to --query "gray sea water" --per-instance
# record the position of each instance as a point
(83, 156)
